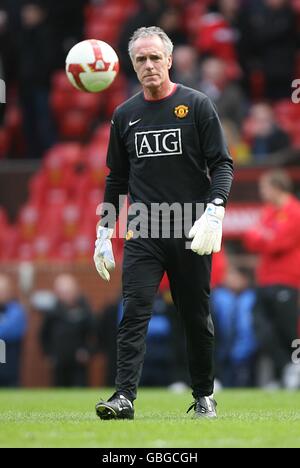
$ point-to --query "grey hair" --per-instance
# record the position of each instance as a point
(149, 32)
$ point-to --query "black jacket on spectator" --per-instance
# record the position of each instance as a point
(268, 43)
(262, 147)
(65, 330)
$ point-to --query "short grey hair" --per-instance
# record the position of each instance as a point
(149, 32)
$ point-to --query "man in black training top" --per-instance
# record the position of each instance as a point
(166, 146)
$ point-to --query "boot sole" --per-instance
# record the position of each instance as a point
(105, 412)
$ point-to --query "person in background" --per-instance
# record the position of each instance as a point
(276, 239)
(269, 45)
(13, 324)
(232, 308)
(66, 334)
(67, 18)
(186, 69)
(171, 22)
(36, 48)
(225, 94)
(266, 137)
(238, 147)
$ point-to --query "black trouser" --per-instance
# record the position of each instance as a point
(276, 319)
(145, 261)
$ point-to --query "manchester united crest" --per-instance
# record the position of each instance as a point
(181, 111)
(129, 235)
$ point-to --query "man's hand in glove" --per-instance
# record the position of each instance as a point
(103, 256)
(207, 231)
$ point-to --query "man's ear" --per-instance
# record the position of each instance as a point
(170, 61)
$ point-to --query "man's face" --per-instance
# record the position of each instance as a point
(150, 62)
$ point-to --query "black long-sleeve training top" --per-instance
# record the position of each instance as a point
(168, 150)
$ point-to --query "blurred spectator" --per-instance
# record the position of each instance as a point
(170, 21)
(12, 330)
(66, 332)
(276, 239)
(186, 69)
(67, 20)
(232, 308)
(106, 330)
(147, 15)
(268, 44)
(229, 9)
(218, 36)
(227, 95)
(37, 55)
(266, 137)
(239, 149)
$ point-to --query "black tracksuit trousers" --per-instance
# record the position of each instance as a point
(145, 261)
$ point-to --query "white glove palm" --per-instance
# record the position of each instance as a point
(103, 256)
(207, 231)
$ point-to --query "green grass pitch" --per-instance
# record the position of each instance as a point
(66, 418)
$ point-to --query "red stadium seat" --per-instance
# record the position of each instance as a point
(89, 189)
(70, 221)
(36, 246)
(28, 222)
(42, 247)
(288, 115)
(101, 134)
(70, 154)
(95, 153)
(60, 81)
(23, 251)
(89, 103)
(38, 249)
(64, 251)
(90, 216)
(5, 234)
(60, 101)
(75, 124)
(84, 247)
(66, 100)
(58, 172)
(3, 219)
(13, 117)
(8, 242)
(51, 212)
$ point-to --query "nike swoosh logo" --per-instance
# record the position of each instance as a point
(134, 122)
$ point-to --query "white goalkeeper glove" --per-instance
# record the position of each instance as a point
(207, 231)
(103, 256)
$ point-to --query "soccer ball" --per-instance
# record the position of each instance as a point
(92, 65)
